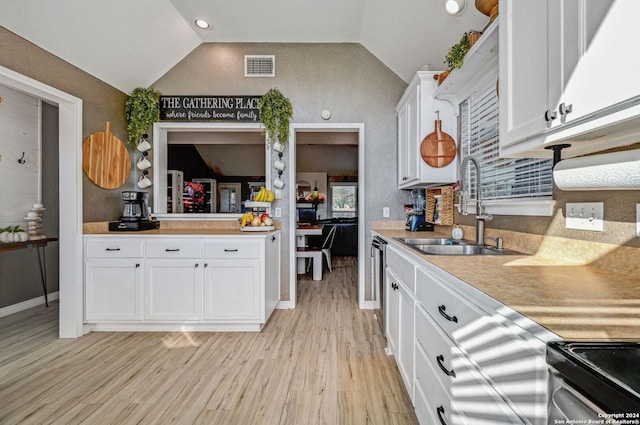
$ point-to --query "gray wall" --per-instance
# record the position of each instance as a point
(19, 275)
(344, 78)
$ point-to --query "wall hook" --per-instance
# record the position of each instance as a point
(22, 160)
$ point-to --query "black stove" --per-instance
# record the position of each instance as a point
(606, 372)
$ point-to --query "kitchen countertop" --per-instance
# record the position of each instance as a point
(572, 301)
(195, 228)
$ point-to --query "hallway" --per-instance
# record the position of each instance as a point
(322, 363)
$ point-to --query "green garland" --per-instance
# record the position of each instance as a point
(141, 110)
(275, 113)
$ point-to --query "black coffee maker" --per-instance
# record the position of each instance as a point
(135, 215)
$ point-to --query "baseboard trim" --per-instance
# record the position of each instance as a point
(25, 305)
(284, 305)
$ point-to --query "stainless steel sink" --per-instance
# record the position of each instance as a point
(462, 250)
(444, 246)
(428, 241)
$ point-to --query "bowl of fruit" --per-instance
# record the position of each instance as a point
(250, 222)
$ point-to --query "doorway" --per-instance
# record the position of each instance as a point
(296, 131)
(70, 176)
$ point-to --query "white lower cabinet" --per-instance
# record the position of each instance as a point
(173, 290)
(464, 357)
(167, 283)
(113, 290)
(232, 290)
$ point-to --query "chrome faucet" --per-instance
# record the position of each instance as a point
(481, 216)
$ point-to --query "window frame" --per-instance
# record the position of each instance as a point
(522, 206)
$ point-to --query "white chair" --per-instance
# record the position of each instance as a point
(316, 253)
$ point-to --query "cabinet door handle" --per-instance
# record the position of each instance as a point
(550, 115)
(231, 250)
(197, 265)
(137, 265)
(172, 249)
(442, 309)
(273, 238)
(206, 265)
(440, 411)
(439, 360)
(565, 109)
(112, 249)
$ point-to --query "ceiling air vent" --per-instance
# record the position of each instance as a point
(259, 66)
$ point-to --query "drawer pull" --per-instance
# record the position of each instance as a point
(112, 249)
(451, 372)
(230, 250)
(440, 411)
(172, 249)
(442, 309)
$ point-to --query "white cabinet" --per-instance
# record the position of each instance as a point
(232, 290)
(173, 290)
(400, 313)
(113, 279)
(113, 289)
(167, 283)
(417, 111)
(559, 78)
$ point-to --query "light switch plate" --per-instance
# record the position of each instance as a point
(385, 212)
(638, 220)
(585, 216)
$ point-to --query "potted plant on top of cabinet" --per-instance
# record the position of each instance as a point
(275, 112)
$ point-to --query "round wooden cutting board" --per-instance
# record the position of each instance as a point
(105, 159)
(438, 149)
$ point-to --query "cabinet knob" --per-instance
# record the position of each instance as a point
(197, 265)
(137, 265)
(273, 238)
(565, 109)
(550, 115)
(206, 265)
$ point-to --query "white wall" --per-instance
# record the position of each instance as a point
(19, 132)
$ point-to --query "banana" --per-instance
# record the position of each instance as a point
(260, 196)
(270, 196)
(246, 218)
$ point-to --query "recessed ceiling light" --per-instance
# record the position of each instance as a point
(454, 7)
(202, 24)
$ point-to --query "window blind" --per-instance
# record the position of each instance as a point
(502, 178)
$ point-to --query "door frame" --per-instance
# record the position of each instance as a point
(329, 128)
(70, 195)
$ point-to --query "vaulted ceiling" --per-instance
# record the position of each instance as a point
(131, 43)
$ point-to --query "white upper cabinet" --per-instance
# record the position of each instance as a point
(567, 75)
(417, 113)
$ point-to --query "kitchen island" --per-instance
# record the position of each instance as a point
(213, 277)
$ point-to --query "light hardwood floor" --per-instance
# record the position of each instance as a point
(322, 363)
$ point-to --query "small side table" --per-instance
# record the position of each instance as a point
(39, 245)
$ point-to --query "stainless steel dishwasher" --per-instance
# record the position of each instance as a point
(378, 266)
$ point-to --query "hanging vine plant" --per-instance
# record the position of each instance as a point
(275, 113)
(141, 110)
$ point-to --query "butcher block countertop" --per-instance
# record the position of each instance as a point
(572, 301)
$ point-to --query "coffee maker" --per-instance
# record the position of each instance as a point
(135, 215)
(415, 212)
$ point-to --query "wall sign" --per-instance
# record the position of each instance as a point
(209, 108)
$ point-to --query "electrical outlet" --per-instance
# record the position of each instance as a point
(638, 220)
(585, 216)
(385, 212)
(278, 212)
